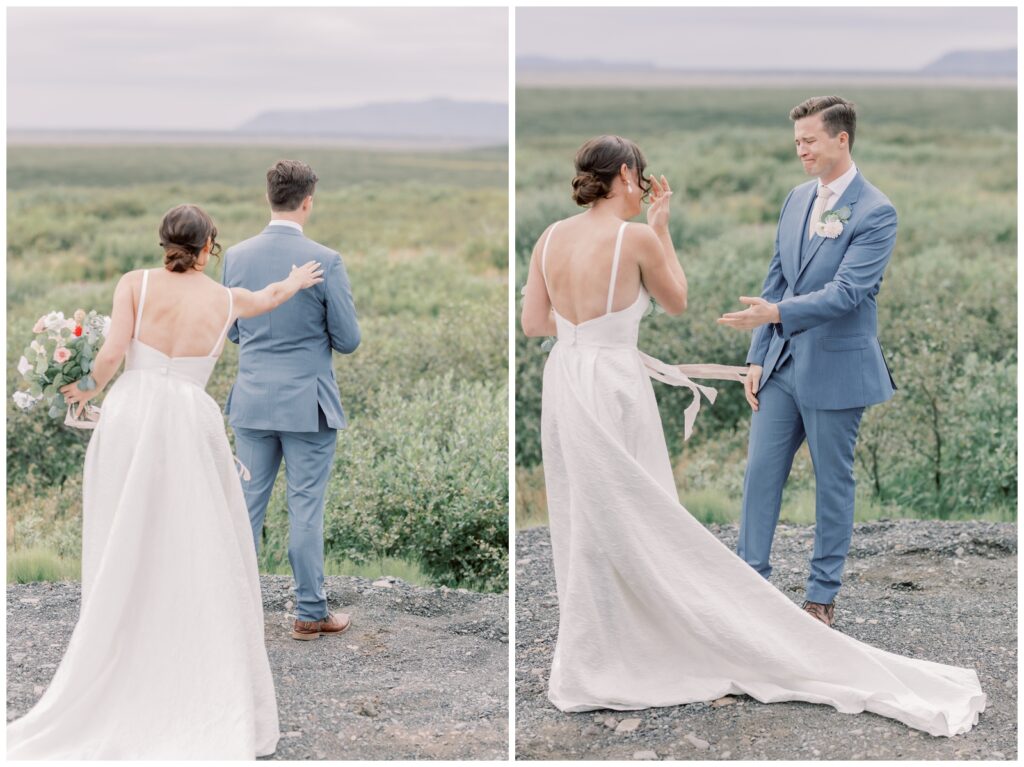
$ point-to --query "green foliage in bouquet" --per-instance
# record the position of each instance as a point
(63, 351)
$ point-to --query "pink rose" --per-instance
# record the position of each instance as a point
(833, 228)
(40, 325)
(61, 355)
(830, 229)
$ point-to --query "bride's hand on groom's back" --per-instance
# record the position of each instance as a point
(253, 303)
(307, 275)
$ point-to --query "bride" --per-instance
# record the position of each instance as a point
(653, 609)
(167, 660)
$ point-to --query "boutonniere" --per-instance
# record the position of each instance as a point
(832, 221)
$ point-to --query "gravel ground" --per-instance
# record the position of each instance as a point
(422, 673)
(944, 591)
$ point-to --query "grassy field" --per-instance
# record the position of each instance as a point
(945, 446)
(420, 480)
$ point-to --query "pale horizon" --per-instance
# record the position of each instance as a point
(208, 69)
(793, 39)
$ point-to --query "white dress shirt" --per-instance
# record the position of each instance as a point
(285, 222)
(839, 186)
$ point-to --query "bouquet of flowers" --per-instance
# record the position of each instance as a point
(62, 352)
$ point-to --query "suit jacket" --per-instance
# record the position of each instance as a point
(285, 370)
(826, 290)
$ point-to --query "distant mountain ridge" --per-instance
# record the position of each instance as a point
(473, 121)
(992, 63)
(547, 64)
(978, 63)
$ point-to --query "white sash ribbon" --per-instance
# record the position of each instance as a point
(243, 472)
(680, 375)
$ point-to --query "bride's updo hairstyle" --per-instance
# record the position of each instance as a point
(183, 233)
(597, 164)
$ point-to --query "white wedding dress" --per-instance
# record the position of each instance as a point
(167, 660)
(653, 609)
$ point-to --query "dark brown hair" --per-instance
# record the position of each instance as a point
(597, 164)
(289, 182)
(837, 114)
(183, 233)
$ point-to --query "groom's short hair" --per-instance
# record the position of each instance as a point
(289, 182)
(837, 114)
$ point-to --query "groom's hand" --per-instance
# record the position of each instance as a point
(758, 312)
(750, 384)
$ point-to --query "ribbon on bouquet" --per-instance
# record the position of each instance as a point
(88, 420)
(683, 375)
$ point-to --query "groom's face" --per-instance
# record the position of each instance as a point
(818, 151)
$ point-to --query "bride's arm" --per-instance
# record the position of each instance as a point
(660, 270)
(111, 353)
(249, 303)
(537, 318)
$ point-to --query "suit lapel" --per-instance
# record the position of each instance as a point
(798, 245)
(848, 198)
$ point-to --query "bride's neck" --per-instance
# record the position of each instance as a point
(614, 207)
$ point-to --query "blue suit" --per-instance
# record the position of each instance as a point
(822, 366)
(284, 402)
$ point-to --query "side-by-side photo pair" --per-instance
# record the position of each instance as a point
(378, 391)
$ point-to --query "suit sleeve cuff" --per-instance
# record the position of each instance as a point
(786, 325)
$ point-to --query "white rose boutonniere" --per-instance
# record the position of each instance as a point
(832, 222)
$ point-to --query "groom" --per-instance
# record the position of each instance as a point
(814, 359)
(285, 401)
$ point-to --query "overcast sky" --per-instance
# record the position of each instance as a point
(212, 69)
(769, 38)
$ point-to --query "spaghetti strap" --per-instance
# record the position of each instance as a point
(142, 302)
(224, 332)
(615, 266)
(544, 253)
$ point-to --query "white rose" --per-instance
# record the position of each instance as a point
(24, 366)
(106, 326)
(24, 400)
(832, 228)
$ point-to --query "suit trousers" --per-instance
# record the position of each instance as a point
(778, 428)
(308, 457)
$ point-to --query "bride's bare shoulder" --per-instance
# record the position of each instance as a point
(640, 238)
(130, 281)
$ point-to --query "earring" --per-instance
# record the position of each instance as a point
(629, 187)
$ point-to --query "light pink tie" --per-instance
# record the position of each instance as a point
(824, 193)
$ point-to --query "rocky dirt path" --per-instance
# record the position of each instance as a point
(422, 673)
(945, 591)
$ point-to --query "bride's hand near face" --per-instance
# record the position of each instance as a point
(660, 270)
(658, 212)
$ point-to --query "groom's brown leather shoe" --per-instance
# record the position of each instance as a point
(333, 624)
(824, 613)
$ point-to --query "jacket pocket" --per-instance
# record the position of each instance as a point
(845, 343)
